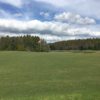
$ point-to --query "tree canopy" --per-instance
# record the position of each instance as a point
(84, 44)
(23, 43)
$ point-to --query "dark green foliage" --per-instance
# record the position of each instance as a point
(86, 44)
(23, 43)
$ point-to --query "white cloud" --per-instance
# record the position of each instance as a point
(33, 26)
(44, 14)
(16, 3)
(4, 14)
(59, 3)
(50, 31)
(74, 18)
(87, 8)
(18, 15)
(7, 15)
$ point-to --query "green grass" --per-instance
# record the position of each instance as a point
(49, 76)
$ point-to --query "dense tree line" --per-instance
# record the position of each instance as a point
(85, 44)
(23, 43)
(34, 43)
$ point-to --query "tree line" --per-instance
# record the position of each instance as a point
(23, 43)
(84, 44)
(34, 43)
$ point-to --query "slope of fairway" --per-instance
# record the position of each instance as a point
(49, 76)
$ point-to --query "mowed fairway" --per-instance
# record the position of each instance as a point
(49, 76)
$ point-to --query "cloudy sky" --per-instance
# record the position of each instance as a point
(53, 20)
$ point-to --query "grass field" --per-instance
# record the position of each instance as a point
(50, 76)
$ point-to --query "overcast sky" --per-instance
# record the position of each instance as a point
(53, 20)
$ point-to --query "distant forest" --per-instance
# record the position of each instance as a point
(23, 43)
(34, 43)
(81, 44)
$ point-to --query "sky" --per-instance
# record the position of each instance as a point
(52, 20)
